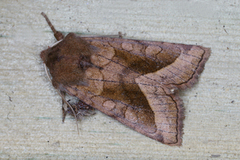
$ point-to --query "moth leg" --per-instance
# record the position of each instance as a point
(64, 106)
(64, 112)
(120, 34)
(81, 110)
(77, 110)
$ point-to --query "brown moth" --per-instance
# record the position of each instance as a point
(133, 81)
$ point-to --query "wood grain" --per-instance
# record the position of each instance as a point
(28, 131)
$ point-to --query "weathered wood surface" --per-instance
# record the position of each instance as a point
(30, 117)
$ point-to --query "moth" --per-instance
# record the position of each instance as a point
(134, 81)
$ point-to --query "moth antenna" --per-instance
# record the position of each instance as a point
(75, 116)
(58, 35)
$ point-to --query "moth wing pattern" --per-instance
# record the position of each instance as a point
(137, 83)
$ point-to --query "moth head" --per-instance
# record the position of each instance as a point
(71, 46)
(68, 59)
(44, 54)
